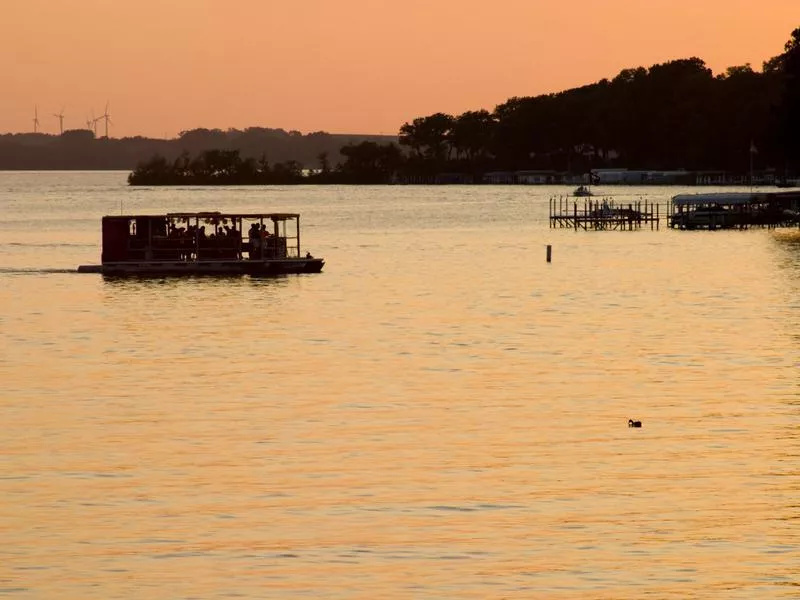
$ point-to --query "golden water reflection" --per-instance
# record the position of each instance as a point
(437, 420)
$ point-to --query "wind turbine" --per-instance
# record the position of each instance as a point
(36, 118)
(91, 124)
(105, 117)
(60, 117)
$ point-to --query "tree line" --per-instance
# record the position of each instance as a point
(364, 163)
(81, 149)
(674, 115)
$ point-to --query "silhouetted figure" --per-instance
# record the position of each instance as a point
(632, 423)
(254, 237)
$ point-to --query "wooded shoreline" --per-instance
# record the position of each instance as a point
(675, 117)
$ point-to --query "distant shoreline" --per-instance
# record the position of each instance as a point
(569, 180)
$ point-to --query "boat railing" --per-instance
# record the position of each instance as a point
(166, 248)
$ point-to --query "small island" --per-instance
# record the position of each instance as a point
(365, 163)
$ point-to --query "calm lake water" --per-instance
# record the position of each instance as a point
(438, 414)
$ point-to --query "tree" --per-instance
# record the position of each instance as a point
(786, 128)
(324, 163)
(369, 162)
(428, 136)
(778, 63)
(471, 134)
(156, 171)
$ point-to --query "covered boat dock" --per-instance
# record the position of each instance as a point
(734, 210)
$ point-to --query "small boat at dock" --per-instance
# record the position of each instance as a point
(203, 243)
(582, 191)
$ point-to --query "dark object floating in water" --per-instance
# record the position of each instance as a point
(632, 423)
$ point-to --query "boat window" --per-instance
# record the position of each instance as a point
(158, 227)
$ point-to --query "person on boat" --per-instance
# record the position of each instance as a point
(254, 237)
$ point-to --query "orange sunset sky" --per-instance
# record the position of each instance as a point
(344, 66)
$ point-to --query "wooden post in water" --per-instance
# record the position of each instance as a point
(549, 252)
(587, 218)
(575, 214)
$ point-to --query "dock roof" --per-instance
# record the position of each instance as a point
(729, 198)
(734, 198)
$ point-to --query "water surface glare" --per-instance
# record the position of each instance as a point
(438, 414)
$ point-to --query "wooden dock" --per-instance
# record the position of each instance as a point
(602, 214)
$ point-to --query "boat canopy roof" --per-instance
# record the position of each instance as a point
(212, 215)
(729, 198)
